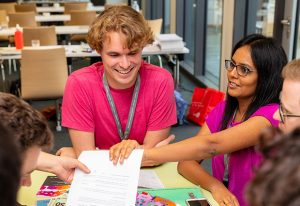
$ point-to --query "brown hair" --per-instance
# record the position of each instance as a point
(277, 181)
(292, 70)
(122, 19)
(27, 124)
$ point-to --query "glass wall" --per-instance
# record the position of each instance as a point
(213, 42)
(265, 17)
(189, 33)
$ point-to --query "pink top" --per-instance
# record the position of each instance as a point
(242, 162)
(85, 106)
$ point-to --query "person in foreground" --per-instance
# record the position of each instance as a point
(122, 102)
(10, 167)
(277, 181)
(233, 127)
(33, 134)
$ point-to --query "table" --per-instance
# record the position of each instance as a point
(46, 17)
(79, 51)
(53, 18)
(166, 172)
(10, 31)
(61, 9)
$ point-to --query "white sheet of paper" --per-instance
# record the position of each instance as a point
(149, 179)
(107, 184)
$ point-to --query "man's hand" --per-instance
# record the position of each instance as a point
(66, 167)
(122, 150)
(66, 152)
(63, 167)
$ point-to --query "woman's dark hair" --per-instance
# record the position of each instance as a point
(277, 181)
(10, 167)
(268, 58)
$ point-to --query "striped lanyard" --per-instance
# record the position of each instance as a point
(123, 135)
(227, 156)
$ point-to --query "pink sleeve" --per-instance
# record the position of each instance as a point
(77, 107)
(164, 111)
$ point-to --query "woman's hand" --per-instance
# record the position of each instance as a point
(122, 150)
(66, 152)
(223, 196)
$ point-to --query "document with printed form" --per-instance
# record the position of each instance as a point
(107, 184)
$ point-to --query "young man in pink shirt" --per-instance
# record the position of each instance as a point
(121, 102)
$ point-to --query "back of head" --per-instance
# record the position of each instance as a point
(28, 125)
(292, 71)
(121, 19)
(10, 167)
(269, 59)
(277, 181)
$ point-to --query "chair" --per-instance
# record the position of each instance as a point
(3, 22)
(3, 17)
(8, 7)
(155, 26)
(109, 5)
(25, 7)
(44, 74)
(79, 6)
(24, 19)
(81, 18)
(45, 34)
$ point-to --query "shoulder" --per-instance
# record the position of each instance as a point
(88, 73)
(267, 111)
(154, 73)
(91, 70)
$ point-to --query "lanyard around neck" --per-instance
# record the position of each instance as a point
(112, 105)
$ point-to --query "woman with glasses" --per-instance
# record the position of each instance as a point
(254, 83)
(233, 127)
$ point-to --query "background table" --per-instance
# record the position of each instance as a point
(166, 172)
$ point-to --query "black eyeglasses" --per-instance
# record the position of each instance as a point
(241, 69)
(283, 115)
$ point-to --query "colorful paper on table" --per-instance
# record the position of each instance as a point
(52, 188)
(177, 195)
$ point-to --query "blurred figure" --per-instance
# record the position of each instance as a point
(277, 182)
(10, 166)
(31, 129)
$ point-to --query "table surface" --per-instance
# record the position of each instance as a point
(166, 172)
(61, 9)
(10, 31)
(80, 51)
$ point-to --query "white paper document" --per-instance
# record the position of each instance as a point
(107, 184)
(149, 179)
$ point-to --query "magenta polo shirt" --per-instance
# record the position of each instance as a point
(242, 162)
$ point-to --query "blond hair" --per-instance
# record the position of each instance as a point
(291, 71)
(121, 19)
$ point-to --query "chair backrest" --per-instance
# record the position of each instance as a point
(3, 17)
(25, 7)
(109, 5)
(8, 7)
(44, 73)
(24, 19)
(81, 6)
(81, 18)
(45, 34)
(155, 25)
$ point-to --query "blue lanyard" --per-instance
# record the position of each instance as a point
(123, 135)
